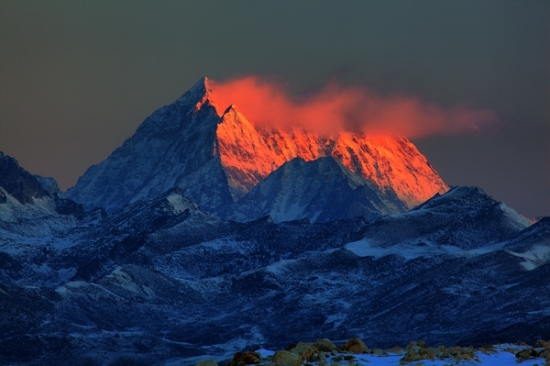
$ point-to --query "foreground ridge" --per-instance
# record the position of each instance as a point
(161, 280)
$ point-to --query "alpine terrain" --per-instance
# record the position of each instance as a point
(204, 235)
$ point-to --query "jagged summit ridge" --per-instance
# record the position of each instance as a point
(217, 156)
(201, 92)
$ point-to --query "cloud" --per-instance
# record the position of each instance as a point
(335, 108)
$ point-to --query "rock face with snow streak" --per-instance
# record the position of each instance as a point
(216, 156)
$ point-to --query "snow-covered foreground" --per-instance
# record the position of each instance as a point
(502, 358)
(497, 355)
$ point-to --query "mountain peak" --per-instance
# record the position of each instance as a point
(202, 86)
(200, 93)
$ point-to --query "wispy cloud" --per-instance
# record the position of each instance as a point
(336, 108)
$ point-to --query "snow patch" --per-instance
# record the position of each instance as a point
(365, 248)
(534, 258)
(178, 203)
(280, 266)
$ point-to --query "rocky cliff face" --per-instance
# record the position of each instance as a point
(216, 156)
(18, 183)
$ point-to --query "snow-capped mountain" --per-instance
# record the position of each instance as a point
(49, 185)
(216, 156)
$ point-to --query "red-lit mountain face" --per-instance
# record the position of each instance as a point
(249, 154)
(217, 156)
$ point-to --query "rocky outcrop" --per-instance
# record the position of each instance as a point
(356, 345)
(285, 358)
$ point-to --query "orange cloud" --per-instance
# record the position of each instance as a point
(335, 108)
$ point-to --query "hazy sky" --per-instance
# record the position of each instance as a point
(78, 77)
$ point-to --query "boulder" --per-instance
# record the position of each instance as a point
(526, 354)
(325, 345)
(356, 345)
(417, 351)
(305, 350)
(286, 358)
(488, 349)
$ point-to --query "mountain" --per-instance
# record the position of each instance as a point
(172, 147)
(321, 190)
(216, 156)
(49, 185)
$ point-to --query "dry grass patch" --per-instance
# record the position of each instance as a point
(207, 363)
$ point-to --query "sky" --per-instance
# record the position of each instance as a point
(78, 77)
